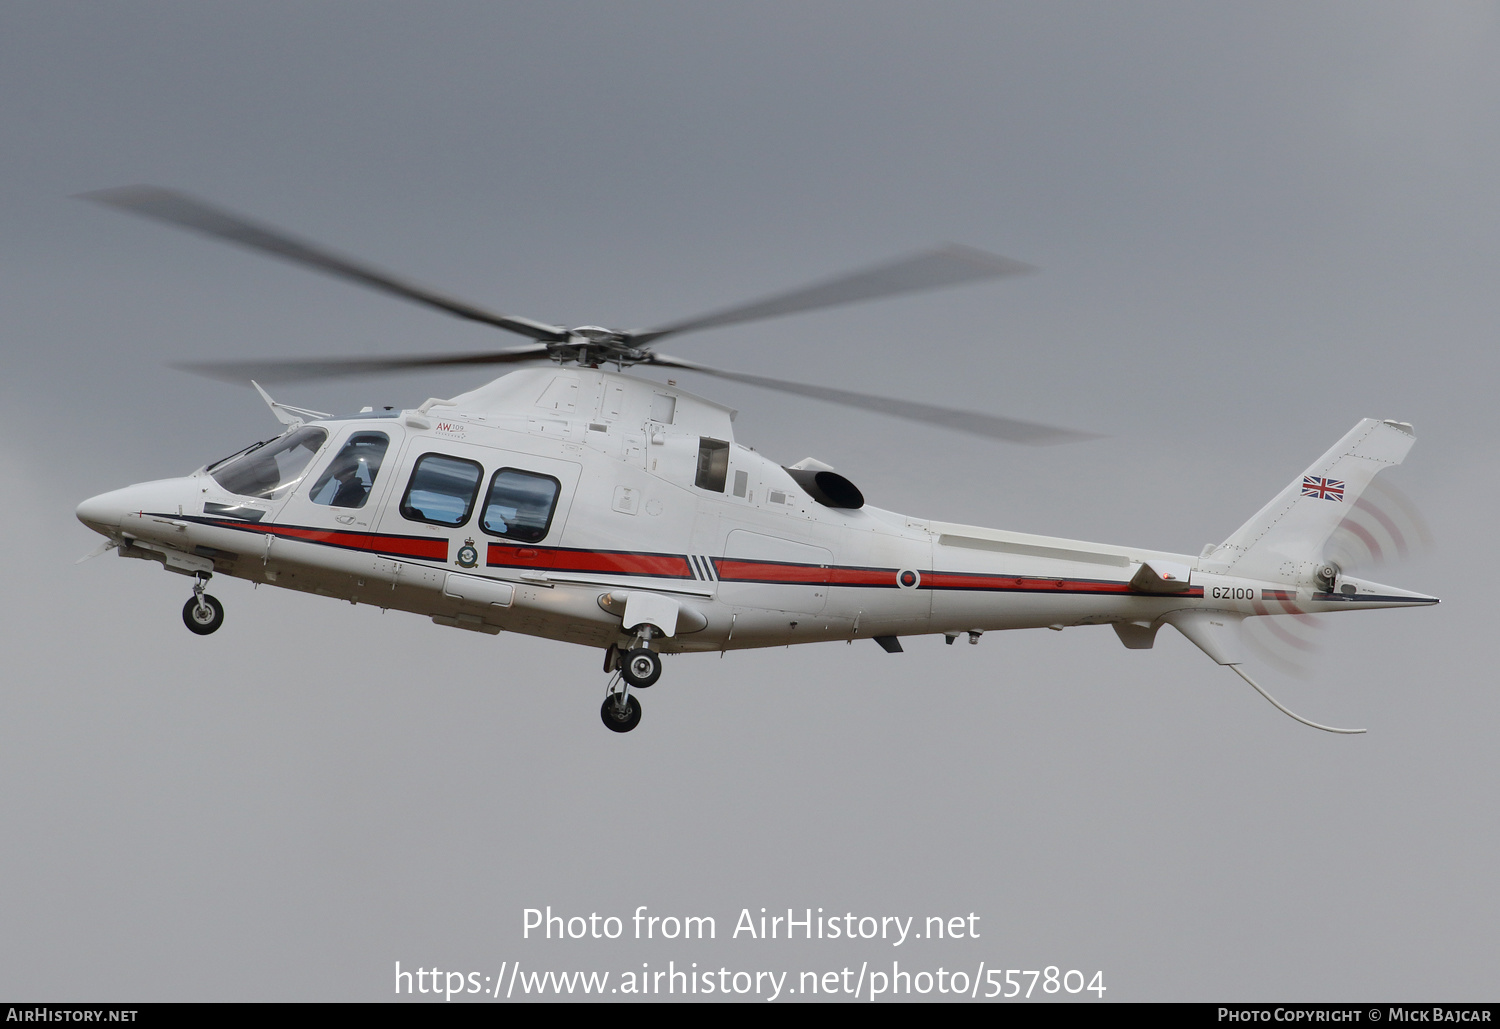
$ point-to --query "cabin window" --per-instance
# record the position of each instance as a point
(713, 464)
(348, 479)
(271, 470)
(442, 490)
(520, 505)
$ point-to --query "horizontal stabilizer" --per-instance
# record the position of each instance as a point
(1161, 577)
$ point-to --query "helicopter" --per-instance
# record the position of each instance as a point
(576, 502)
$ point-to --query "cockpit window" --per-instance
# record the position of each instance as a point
(347, 480)
(238, 453)
(273, 469)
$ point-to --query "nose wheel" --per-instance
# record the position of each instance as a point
(202, 613)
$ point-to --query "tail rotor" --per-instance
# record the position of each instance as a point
(1382, 527)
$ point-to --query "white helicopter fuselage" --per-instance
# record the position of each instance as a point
(595, 508)
(658, 518)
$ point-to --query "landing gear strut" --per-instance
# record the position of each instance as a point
(202, 613)
(640, 666)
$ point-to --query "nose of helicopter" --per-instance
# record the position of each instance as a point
(102, 513)
(105, 512)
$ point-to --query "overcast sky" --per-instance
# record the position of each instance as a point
(1255, 224)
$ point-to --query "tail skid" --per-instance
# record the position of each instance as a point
(1288, 711)
(1216, 633)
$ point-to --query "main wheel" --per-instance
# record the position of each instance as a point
(641, 667)
(620, 717)
(203, 618)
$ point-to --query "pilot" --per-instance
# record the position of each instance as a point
(352, 490)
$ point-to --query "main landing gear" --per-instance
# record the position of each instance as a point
(620, 712)
(202, 613)
(640, 666)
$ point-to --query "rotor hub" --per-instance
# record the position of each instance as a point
(594, 345)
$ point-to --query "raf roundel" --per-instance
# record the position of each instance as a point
(908, 579)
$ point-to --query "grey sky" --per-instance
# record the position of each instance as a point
(1256, 224)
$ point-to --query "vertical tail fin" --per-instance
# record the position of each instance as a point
(1285, 540)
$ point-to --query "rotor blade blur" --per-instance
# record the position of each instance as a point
(187, 212)
(298, 369)
(993, 426)
(949, 265)
(1383, 525)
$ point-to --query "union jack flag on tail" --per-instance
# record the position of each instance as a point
(1323, 489)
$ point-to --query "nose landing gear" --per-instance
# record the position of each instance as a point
(202, 613)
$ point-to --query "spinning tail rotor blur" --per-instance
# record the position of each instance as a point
(1384, 526)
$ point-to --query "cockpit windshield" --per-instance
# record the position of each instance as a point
(271, 470)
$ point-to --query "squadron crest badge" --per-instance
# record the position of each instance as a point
(468, 556)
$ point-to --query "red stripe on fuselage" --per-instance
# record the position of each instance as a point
(1036, 584)
(676, 566)
(731, 569)
(400, 546)
(838, 576)
(1027, 583)
(734, 570)
(672, 566)
(782, 573)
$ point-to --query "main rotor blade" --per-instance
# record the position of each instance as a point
(948, 265)
(297, 369)
(187, 212)
(993, 426)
